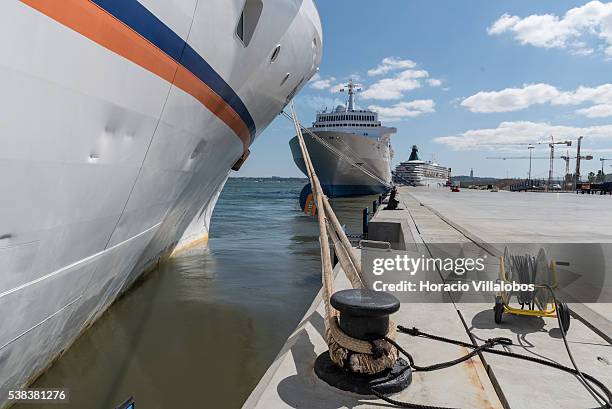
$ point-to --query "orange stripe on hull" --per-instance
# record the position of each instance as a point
(98, 25)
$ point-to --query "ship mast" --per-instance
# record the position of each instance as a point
(352, 90)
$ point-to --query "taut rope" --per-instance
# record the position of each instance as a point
(358, 355)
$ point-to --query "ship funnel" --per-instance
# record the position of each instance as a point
(414, 155)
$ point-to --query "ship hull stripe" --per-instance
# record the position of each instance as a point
(128, 29)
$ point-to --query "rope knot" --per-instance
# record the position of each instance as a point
(379, 348)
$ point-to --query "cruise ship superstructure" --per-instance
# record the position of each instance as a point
(119, 123)
(350, 150)
(417, 172)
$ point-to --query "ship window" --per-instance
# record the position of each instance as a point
(248, 20)
(275, 53)
(285, 78)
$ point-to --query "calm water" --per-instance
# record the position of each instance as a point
(200, 331)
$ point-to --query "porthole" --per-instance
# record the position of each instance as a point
(285, 78)
(275, 53)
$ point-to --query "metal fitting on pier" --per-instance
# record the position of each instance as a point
(364, 315)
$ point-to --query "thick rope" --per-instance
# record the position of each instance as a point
(345, 351)
(344, 259)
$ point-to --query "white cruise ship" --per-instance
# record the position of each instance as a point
(350, 150)
(119, 123)
(416, 172)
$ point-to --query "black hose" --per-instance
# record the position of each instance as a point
(606, 403)
(486, 347)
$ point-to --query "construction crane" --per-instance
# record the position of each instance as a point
(517, 157)
(566, 158)
(602, 165)
(579, 157)
(552, 158)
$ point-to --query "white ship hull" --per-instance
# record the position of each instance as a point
(340, 176)
(111, 153)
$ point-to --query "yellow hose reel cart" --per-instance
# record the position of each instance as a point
(526, 269)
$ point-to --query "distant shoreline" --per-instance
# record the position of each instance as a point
(269, 177)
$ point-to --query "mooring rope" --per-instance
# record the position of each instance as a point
(359, 355)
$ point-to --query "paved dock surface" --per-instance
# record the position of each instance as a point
(438, 216)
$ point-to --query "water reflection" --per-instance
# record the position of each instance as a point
(205, 326)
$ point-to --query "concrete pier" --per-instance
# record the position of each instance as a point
(439, 216)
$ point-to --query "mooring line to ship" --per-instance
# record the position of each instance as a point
(335, 337)
(337, 152)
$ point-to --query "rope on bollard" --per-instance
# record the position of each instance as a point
(345, 351)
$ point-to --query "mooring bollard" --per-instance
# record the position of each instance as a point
(364, 225)
(374, 203)
(364, 315)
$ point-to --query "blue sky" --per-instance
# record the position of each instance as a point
(454, 76)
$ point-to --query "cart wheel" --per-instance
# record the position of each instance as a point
(499, 310)
(564, 314)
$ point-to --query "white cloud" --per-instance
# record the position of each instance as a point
(596, 111)
(510, 99)
(521, 132)
(405, 109)
(394, 88)
(433, 82)
(317, 82)
(391, 64)
(598, 95)
(593, 19)
(515, 99)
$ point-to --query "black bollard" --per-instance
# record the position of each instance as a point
(364, 314)
(364, 222)
(374, 204)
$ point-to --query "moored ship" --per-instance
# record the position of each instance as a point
(417, 172)
(120, 122)
(350, 150)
